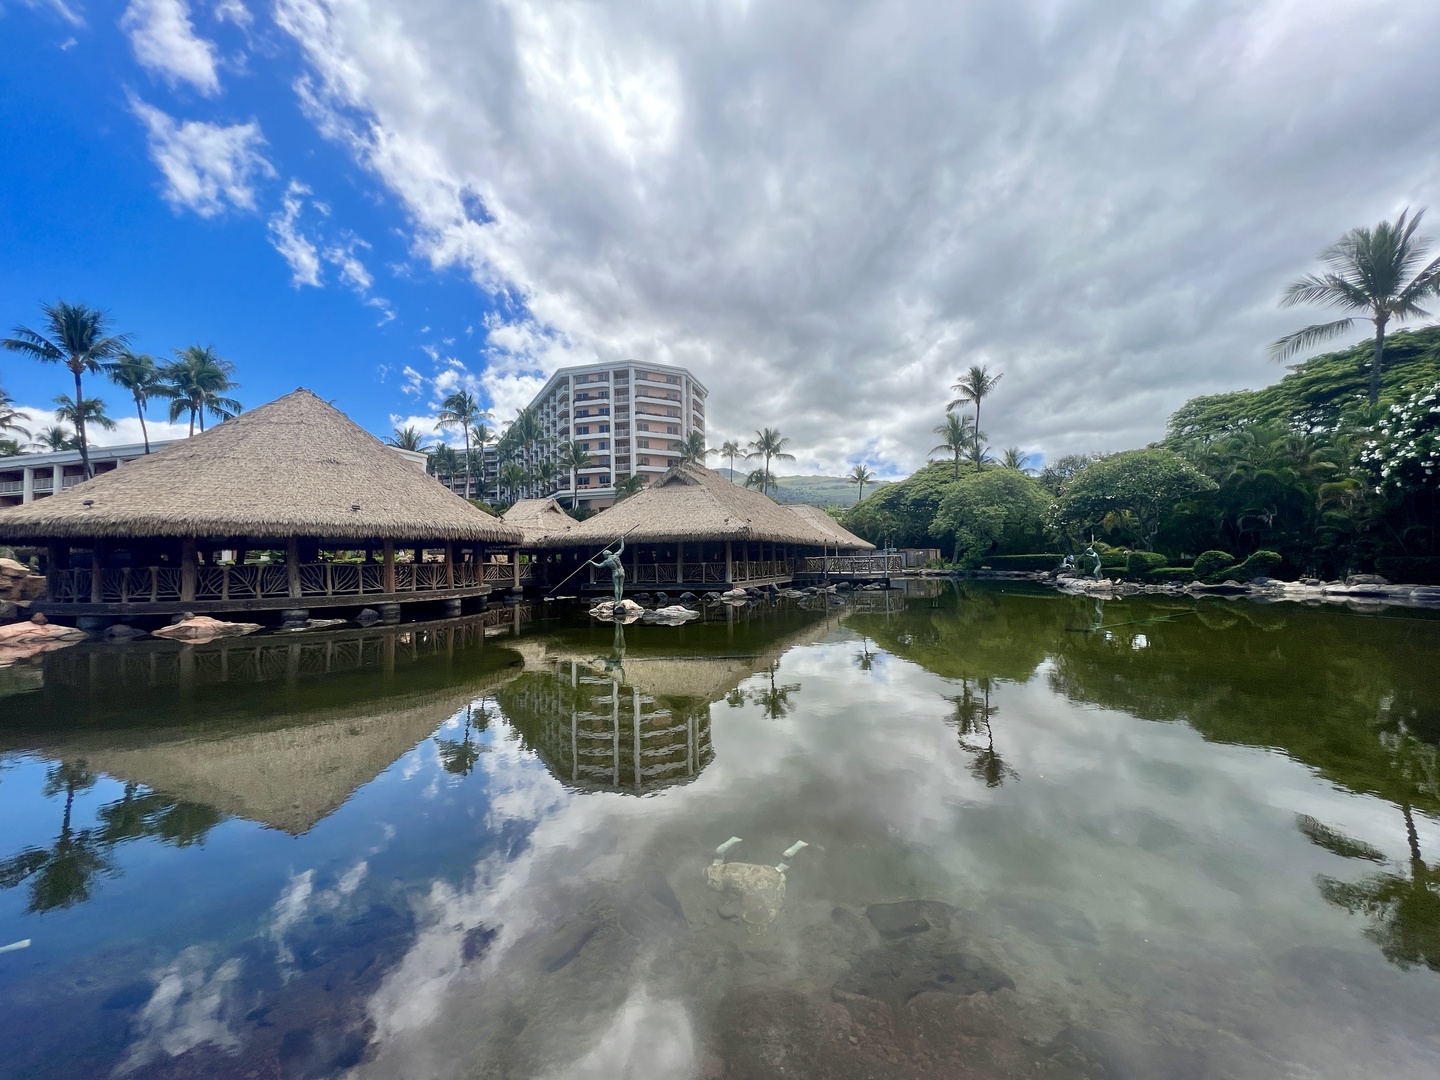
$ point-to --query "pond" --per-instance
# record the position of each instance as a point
(1045, 836)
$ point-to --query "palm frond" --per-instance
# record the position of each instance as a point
(1284, 348)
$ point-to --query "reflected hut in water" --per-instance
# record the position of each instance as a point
(289, 508)
(694, 530)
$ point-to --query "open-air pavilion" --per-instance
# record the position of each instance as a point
(692, 529)
(290, 508)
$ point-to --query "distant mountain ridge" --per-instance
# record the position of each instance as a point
(814, 490)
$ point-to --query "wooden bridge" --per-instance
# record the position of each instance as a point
(851, 567)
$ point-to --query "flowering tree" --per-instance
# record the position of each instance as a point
(1405, 452)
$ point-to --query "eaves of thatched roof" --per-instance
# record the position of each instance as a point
(295, 467)
(822, 522)
(692, 503)
(539, 519)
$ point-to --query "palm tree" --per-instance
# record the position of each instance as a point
(979, 454)
(1017, 459)
(573, 458)
(482, 436)
(10, 447)
(443, 462)
(731, 449)
(406, 438)
(512, 476)
(770, 445)
(56, 437)
(528, 432)
(974, 386)
(90, 413)
(760, 481)
(860, 476)
(10, 418)
(628, 486)
(957, 435)
(693, 450)
(76, 337)
(1374, 271)
(462, 408)
(197, 381)
(138, 373)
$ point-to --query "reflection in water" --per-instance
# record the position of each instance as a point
(428, 860)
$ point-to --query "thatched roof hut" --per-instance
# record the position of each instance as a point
(823, 523)
(297, 467)
(692, 503)
(539, 519)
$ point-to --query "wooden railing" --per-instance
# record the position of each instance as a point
(267, 581)
(877, 565)
(697, 573)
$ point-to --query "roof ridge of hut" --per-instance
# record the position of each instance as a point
(538, 519)
(295, 466)
(819, 519)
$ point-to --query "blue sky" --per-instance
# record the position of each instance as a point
(827, 213)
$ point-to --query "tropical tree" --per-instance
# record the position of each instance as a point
(463, 409)
(957, 436)
(979, 454)
(860, 476)
(1014, 458)
(528, 432)
(10, 447)
(443, 462)
(1379, 272)
(56, 437)
(512, 478)
(197, 382)
(761, 481)
(481, 435)
(406, 438)
(993, 512)
(1144, 483)
(693, 450)
(76, 336)
(90, 413)
(63, 874)
(731, 449)
(11, 418)
(141, 376)
(974, 387)
(573, 458)
(628, 486)
(770, 445)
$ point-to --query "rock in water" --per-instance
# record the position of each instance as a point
(906, 917)
(897, 973)
(204, 628)
(756, 893)
(566, 944)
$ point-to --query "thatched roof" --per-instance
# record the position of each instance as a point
(691, 502)
(294, 467)
(822, 522)
(539, 519)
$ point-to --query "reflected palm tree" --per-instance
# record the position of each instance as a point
(62, 875)
(1404, 910)
(140, 814)
(973, 719)
(866, 660)
(459, 756)
(775, 699)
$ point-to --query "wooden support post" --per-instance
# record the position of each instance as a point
(449, 564)
(292, 566)
(680, 563)
(388, 570)
(189, 568)
(729, 563)
(515, 576)
(97, 570)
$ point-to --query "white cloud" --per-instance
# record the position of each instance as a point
(165, 43)
(290, 242)
(205, 165)
(127, 428)
(59, 7)
(233, 11)
(189, 1007)
(827, 212)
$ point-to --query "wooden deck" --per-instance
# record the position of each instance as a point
(852, 567)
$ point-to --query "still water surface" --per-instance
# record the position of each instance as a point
(1047, 837)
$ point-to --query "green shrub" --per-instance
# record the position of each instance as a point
(1209, 564)
(1164, 575)
(1261, 563)
(1024, 562)
(1410, 570)
(1139, 564)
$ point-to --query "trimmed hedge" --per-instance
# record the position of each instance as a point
(1164, 575)
(1139, 564)
(1410, 569)
(1209, 564)
(1261, 563)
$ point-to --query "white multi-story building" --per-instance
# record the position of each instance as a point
(630, 417)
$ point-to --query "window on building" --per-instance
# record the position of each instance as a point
(604, 427)
(642, 426)
(604, 481)
(603, 444)
(644, 460)
(604, 410)
(583, 429)
(672, 429)
(643, 444)
(584, 481)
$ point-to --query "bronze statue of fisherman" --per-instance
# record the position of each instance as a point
(611, 561)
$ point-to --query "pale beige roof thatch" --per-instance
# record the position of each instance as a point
(294, 467)
(691, 502)
(539, 519)
(840, 537)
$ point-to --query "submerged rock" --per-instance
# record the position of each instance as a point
(907, 917)
(204, 628)
(901, 971)
(625, 610)
(566, 944)
(673, 615)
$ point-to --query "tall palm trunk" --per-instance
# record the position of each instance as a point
(468, 462)
(140, 412)
(1380, 321)
(80, 425)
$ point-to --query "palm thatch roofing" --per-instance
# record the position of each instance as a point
(822, 522)
(692, 503)
(539, 519)
(295, 467)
